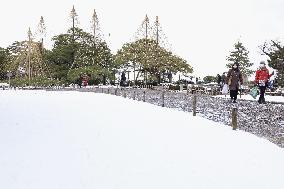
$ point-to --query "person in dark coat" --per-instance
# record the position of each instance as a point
(223, 78)
(123, 79)
(219, 79)
(234, 79)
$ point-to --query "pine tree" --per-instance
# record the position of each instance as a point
(74, 17)
(4, 60)
(41, 29)
(275, 52)
(240, 55)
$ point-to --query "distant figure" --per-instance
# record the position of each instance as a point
(219, 79)
(85, 80)
(223, 79)
(261, 80)
(233, 78)
(123, 79)
(170, 77)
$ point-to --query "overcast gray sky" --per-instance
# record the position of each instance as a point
(201, 31)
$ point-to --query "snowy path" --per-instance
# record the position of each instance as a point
(265, 121)
(84, 140)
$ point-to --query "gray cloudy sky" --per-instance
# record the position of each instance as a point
(201, 31)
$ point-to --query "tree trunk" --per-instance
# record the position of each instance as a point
(138, 74)
(104, 80)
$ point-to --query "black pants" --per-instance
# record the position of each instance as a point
(262, 91)
(234, 94)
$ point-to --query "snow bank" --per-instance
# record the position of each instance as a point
(84, 140)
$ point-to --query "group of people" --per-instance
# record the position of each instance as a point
(234, 79)
(221, 80)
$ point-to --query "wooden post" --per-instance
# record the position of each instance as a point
(134, 95)
(163, 99)
(234, 119)
(102, 90)
(115, 92)
(144, 96)
(124, 94)
(187, 89)
(107, 90)
(194, 105)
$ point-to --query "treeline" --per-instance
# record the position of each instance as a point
(77, 53)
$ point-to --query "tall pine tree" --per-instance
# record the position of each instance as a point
(275, 52)
(240, 55)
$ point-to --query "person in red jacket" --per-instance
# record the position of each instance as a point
(261, 79)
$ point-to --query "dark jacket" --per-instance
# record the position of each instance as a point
(224, 79)
(235, 76)
(219, 79)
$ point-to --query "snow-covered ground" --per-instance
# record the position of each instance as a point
(73, 140)
(249, 97)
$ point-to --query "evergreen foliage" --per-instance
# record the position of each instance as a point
(240, 55)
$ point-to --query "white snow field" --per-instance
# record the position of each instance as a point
(73, 140)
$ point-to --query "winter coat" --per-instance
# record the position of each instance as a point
(224, 79)
(219, 79)
(235, 76)
(262, 76)
(123, 77)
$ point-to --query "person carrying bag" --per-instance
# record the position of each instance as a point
(261, 80)
(225, 89)
(234, 80)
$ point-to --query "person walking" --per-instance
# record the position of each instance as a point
(123, 80)
(218, 79)
(234, 77)
(261, 80)
(223, 78)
